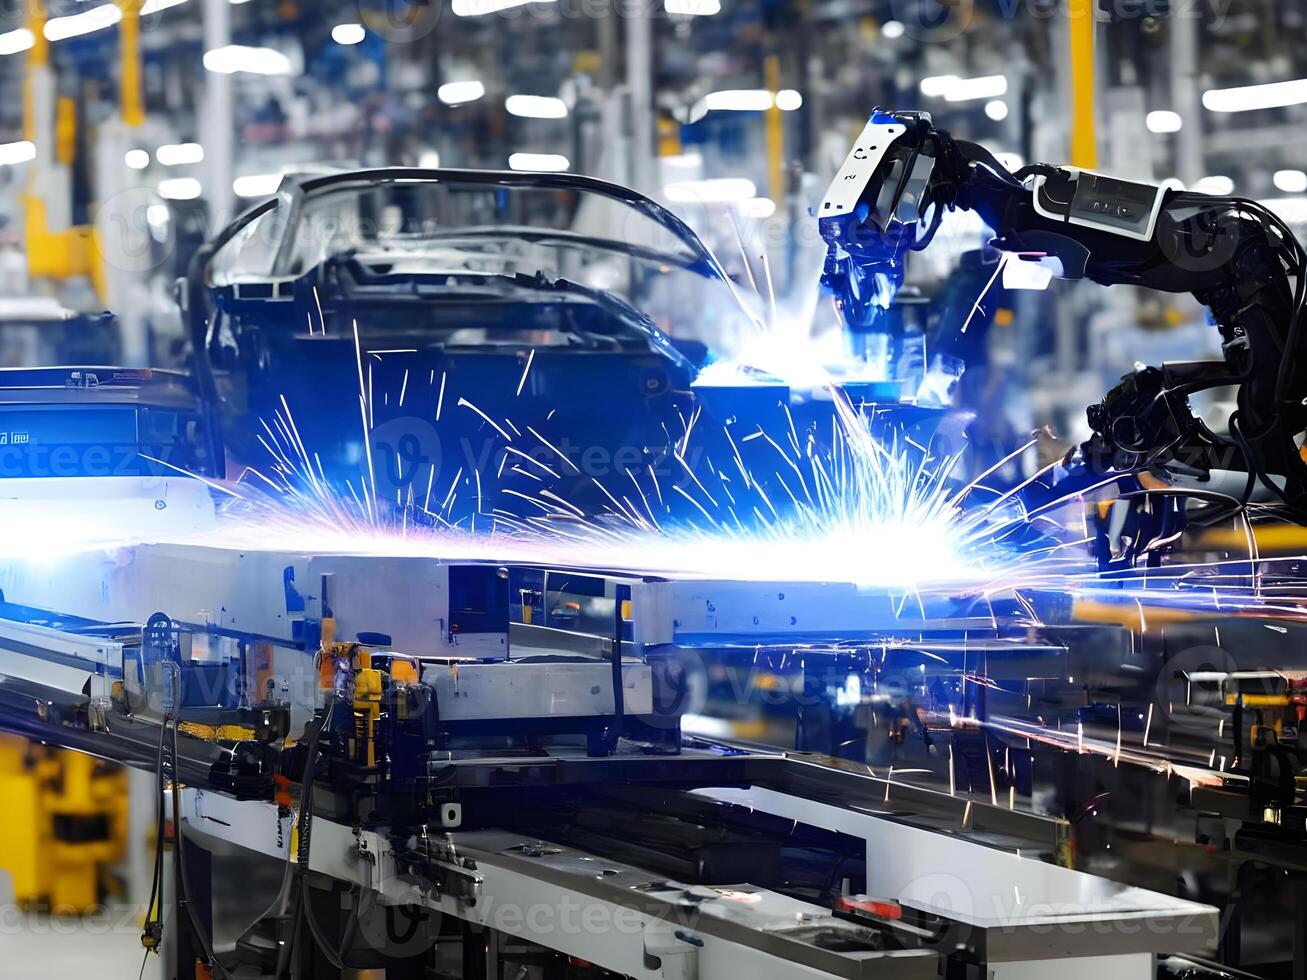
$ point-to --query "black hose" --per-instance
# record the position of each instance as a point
(620, 595)
(153, 925)
(304, 833)
(182, 882)
(361, 901)
(311, 920)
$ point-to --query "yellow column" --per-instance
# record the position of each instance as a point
(129, 35)
(38, 56)
(1084, 139)
(775, 132)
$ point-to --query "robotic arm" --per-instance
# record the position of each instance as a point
(1233, 255)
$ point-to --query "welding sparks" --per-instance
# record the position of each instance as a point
(862, 509)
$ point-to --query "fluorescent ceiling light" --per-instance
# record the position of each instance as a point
(548, 162)
(348, 33)
(536, 106)
(75, 25)
(479, 8)
(136, 159)
(725, 190)
(953, 88)
(1248, 97)
(180, 189)
(1217, 184)
(693, 8)
(239, 58)
(154, 6)
(1163, 121)
(457, 93)
(256, 185)
(937, 85)
(984, 87)
(20, 152)
(996, 109)
(179, 154)
(12, 42)
(892, 29)
(690, 159)
(738, 100)
(788, 99)
(1290, 181)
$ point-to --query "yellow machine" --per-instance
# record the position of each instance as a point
(63, 823)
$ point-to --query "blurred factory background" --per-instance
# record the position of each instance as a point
(132, 130)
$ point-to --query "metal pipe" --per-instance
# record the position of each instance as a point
(1185, 100)
(639, 83)
(219, 118)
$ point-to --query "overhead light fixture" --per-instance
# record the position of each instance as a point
(693, 8)
(1290, 181)
(738, 100)
(954, 88)
(788, 99)
(722, 190)
(180, 189)
(21, 152)
(255, 61)
(12, 42)
(1249, 97)
(88, 21)
(996, 109)
(154, 6)
(179, 154)
(256, 185)
(689, 160)
(936, 85)
(984, 87)
(480, 8)
(457, 93)
(1217, 184)
(1163, 121)
(136, 159)
(536, 106)
(892, 29)
(348, 34)
(546, 162)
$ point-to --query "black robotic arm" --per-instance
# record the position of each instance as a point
(1233, 255)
